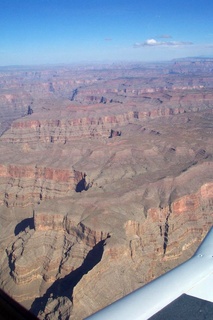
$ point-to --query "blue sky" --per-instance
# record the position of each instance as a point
(73, 31)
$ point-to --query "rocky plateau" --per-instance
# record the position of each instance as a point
(106, 179)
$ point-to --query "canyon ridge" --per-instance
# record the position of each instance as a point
(106, 179)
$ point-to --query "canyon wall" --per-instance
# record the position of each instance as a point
(25, 185)
(105, 179)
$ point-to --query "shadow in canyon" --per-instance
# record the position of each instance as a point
(114, 133)
(166, 233)
(64, 287)
(81, 186)
(21, 226)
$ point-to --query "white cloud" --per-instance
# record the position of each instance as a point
(151, 42)
(154, 43)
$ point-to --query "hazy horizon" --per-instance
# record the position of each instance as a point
(103, 31)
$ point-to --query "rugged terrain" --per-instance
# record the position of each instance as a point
(106, 179)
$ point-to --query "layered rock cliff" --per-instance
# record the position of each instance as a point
(32, 130)
(25, 185)
(71, 256)
(105, 179)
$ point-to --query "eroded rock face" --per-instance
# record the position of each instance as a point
(25, 185)
(105, 185)
(152, 247)
(61, 250)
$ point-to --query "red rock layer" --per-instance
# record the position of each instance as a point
(25, 185)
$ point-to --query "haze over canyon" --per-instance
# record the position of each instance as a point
(106, 179)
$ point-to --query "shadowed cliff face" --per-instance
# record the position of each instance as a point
(64, 287)
(105, 180)
(24, 224)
